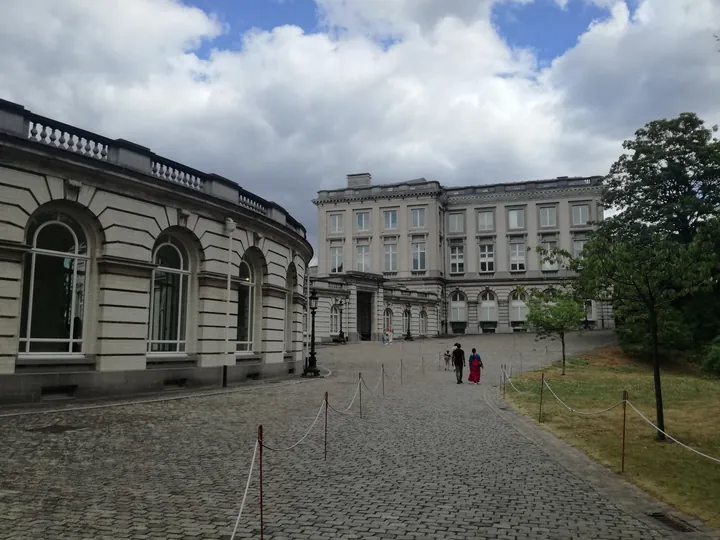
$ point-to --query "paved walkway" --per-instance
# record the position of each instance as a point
(432, 460)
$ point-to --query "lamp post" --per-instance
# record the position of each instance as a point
(311, 362)
(340, 306)
(408, 336)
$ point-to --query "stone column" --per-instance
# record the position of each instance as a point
(351, 321)
(472, 326)
(379, 314)
(503, 326)
(11, 291)
(273, 323)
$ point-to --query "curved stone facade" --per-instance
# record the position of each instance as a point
(122, 271)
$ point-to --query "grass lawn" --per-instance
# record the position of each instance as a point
(595, 381)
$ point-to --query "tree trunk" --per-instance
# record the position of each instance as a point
(562, 341)
(656, 375)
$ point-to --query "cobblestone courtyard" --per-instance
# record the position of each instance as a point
(431, 460)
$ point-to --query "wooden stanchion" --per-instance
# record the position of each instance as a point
(622, 458)
(326, 415)
(360, 386)
(504, 381)
(383, 378)
(260, 445)
(542, 385)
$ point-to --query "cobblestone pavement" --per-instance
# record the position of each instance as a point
(431, 460)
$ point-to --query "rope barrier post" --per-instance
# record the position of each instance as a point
(401, 366)
(360, 385)
(504, 380)
(383, 378)
(260, 444)
(622, 458)
(542, 384)
(326, 415)
(422, 364)
(521, 362)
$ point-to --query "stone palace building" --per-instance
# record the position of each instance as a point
(123, 271)
(433, 260)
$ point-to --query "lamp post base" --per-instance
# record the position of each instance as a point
(408, 337)
(311, 367)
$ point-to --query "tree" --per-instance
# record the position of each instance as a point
(553, 315)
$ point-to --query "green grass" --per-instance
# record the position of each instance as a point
(595, 381)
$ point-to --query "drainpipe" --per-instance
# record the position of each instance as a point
(229, 229)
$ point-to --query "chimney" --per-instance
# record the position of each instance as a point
(359, 180)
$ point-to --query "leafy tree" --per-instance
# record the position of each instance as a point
(553, 315)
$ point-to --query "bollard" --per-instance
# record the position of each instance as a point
(326, 415)
(542, 384)
(383, 378)
(360, 386)
(622, 458)
(260, 445)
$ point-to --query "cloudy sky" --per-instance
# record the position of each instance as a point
(288, 96)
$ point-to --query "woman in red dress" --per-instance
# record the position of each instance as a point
(475, 366)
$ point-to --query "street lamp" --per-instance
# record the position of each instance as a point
(340, 306)
(408, 337)
(311, 362)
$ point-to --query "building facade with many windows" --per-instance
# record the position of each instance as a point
(123, 271)
(445, 260)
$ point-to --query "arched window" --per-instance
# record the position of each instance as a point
(55, 274)
(246, 308)
(423, 323)
(290, 284)
(518, 306)
(387, 320)
(406, 321)
(334, 320)
(458, 307)
(169, 300)
(488, 306)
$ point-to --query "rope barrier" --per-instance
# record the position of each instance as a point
(587, 413)
(508, 379)
(376, 386)
(247, 487)
(302, 438)
(347, 409)
(716, 460)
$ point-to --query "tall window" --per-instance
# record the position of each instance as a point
(246, 306)
(362, 256)
(549, 246)
(290, 285)
(169, 301)
(423, 323)
(488, 307)
(457, 259)
(548, 216)
(418, 256)
(363, 221)
(578, 246)
(486, 221)
(458, 307)
(56, 268)
(390, 219)
(336, 260)
(580, 214)
(456, 223)
(487, 258)
(391, 258)
(418, 218)
(387, 320)
(337, 223)
(334, 320)
(517, 256)
(518, 307)
(516, 218)
(589, 310)
(406, 321)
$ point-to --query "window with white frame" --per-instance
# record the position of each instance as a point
(456, 223)
(418, 218)
(390, 219)
(56, 273)
(457, 259)
(517, 256)
(488, 307)
(549, 265)
(337, 223)
(458, 307)
(362, 256)
(418, 255)
(518, 307)
(487, 258)
(391, 258)
(387, 320)
(246, 307)
(486, 220)
(578, 246)
(363, 221)
(334, 320)
(336, 260)
(548, 217)
(169, 297)
(580, 214)
(423, 323)
(516, 218)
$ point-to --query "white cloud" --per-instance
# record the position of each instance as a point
(292, 113)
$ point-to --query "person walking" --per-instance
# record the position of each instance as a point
(475, 363)
(447, 357)
(458, 356)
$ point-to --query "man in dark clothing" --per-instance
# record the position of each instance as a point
(458, 356)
